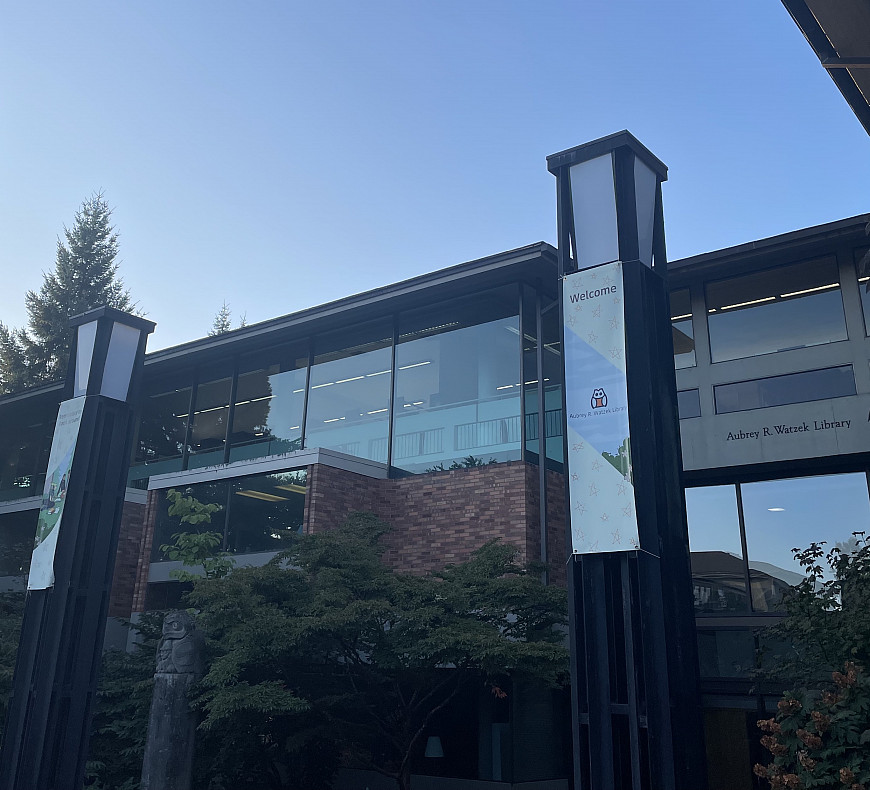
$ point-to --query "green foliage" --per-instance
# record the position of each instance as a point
(11, 615)
(327, 652)
(821, 739)
(223, 321)
(820, 736)
(84, 277)
(469, 462)
(122, 707)
(196, 549)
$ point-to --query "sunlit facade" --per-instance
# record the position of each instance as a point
(436, 403)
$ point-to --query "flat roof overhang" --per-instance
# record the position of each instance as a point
(535, 263)
(792, 247)
(839, 33)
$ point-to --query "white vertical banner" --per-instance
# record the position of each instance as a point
(63, 447)
(602, 504)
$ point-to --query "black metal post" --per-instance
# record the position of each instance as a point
(635, 688)
(48, 722)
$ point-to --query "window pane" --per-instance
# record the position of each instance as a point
(162, 429)
(689, 404)
(270, 398)
(27, 429)
(458, 383)
(214, 493)
(775, 310)
(349, 396)
(684, 334)
(208, 428)
(530, 372)
(783, 514)
(265, 511)
(552, 357)
(718, 570)
(802, 387)
(862, 268)
(725, 654)
(17, 531)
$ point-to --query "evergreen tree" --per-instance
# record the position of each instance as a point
(84, 277)
(223, 321)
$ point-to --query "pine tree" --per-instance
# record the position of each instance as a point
(222, 321)
(84, 277)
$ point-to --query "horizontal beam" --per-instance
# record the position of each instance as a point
(846, 63)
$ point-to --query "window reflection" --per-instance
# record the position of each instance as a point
(689, 404)
(775, 310)
(270, 398)
(809, 385)
(257, 513)
(862, 268)
(725, 653)
(681, 324)
(162, 429)
(458, 383)
(27, 429)
(718, 570)
(782, 514)
(349, 395)
(208, 424)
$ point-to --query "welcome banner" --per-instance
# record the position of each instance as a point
(63, 446)
(602, 507)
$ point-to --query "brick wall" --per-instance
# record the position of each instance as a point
(437, 518)
(126, 560)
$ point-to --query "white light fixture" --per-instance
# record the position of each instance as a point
(612, 186)
(776, 509)
(107, 342)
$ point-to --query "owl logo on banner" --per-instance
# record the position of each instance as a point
(599, 398)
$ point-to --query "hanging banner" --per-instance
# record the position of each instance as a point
(599, 470)
(63, 447)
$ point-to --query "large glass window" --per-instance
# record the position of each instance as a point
(162, 429)
(552, 362)
(26, 429)
(458, 383)
(808, 385)
(257, 513)
(208, 423)
(270, 399)
(775, 310)
(718, 568)
(681, 327)
(782, 514)
(862, 267)
(349, 394)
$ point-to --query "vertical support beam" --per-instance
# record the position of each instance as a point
(48, 722)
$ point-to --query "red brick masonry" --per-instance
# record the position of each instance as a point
(437, 518)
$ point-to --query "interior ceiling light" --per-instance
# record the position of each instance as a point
(680, 317)
(810, 290)
(379, 373)
(291, 487)
(377, 411)
(776, 509)
(353, 378)
(262, 495)
(746, 304)
(414, 365)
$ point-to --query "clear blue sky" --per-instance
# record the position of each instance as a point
(282, 154)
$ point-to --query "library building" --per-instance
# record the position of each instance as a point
(436, 404)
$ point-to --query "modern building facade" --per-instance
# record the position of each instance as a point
(436, 404)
